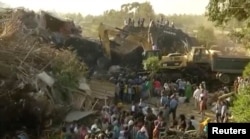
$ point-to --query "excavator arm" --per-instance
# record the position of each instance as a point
(105, 31)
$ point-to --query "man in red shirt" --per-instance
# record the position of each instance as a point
(157, 87)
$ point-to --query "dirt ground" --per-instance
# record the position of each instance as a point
(186, 108)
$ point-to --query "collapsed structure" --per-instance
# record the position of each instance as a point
(39, 84)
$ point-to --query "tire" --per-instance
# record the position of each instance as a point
(224, 78)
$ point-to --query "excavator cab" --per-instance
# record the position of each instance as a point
(201, 55)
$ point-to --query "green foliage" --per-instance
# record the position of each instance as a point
(233, 14)
(152, 64)
(206, 35)
(240, 105)
(222, 11)
(246, 72)
(67, 69)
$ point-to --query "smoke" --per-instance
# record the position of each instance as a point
(228, 47)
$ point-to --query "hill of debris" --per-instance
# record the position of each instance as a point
(38, 83)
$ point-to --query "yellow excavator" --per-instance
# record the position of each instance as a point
(170, 61)
(106, 31)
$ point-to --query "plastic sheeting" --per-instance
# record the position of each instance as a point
(77, 115)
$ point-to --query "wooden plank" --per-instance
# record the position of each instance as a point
(102, 94)
(110, 93)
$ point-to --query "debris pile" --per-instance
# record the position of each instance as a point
(37, 81)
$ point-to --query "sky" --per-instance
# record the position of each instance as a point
(96, 7)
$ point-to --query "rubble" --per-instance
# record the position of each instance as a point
(39, 84)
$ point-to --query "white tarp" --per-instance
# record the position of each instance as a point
(83, 85)
(77, 115)
(46, 78)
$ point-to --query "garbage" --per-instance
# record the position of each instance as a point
(46, 78)
(77, 115)
(39, 84)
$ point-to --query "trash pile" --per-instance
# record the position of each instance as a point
(38, 83)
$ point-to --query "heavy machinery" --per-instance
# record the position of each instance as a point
(198, 61)
(215, 65)
(173, 61)
(128, 41)
(105, 31)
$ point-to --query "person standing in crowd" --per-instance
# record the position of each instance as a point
(125, 22)
(129, 21)
(236, 86)
(125, 94)
(224, 112)
(181, 86)
(139, 22)
(122, 87)
(148, 87)
(204, 95)
(142, 22)
(188, 91)
(196, 96)
(218, 107)
(167, 86)
(163, 100)
(133, 22)
(172, 25)
(157, 87)
(202, 108)
(130, 93)
(173, 106)
(162, 20)
(117, 90)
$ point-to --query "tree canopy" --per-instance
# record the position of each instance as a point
(223, 12)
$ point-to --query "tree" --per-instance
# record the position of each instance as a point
(223, 11)
(242, 101)
(152, 64)
(138, 10)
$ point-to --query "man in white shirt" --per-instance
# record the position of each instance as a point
(166, 86)
(196, 96)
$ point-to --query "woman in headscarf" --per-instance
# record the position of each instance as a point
(188, 91)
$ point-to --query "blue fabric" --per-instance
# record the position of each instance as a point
(116, 131)
(141, 135)
(173, 104)
(164, 101)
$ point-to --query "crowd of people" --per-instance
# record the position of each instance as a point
(136, 123)
(141, 21)
(132, 118)
(141, 120)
